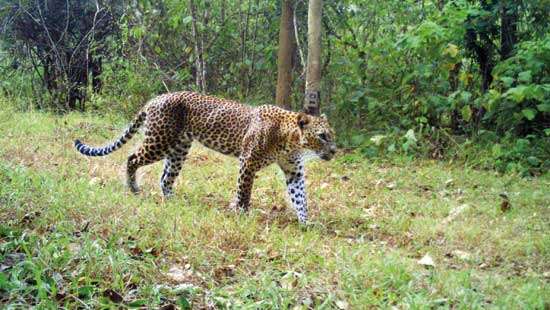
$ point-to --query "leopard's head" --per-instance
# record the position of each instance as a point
(316, 135)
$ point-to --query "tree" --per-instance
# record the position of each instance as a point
(482, 30)
(287, 47)
(313, 71)
(200, 65)
(508, 27)
(65, 43)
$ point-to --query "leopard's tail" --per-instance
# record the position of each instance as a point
(108, 149)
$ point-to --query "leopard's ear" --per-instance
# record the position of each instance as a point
(303, 120)
(324, 116)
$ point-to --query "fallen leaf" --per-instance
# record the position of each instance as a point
(449, 182)
(425, 188)
(426, 261)
(440, 301)
(113, 296)
(505, 206)
(11, 260)
(177, 274)
(342, 304)
(373, 226)
(29, 217)
(84, 229)
(455, 212)
(391, 186)
(224, 272)
(289, 281)
(60, 295)
(153, 251)
(93, 181)
(74, 248)
(462, 255)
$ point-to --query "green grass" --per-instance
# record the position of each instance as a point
(72, 235)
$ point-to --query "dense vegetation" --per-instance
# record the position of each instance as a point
(412, 77)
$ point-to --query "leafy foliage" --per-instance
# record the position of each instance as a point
(63, 43)
(445, 70)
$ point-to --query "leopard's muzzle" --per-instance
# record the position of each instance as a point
(328, 152)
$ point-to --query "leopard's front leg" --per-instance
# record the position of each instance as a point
(295, 180)
(247, 172)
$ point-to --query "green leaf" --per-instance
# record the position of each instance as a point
(184, 303)
(497, 150)
(138, 303)
(544, 107)
(466, 113)
(422, 120)
(410, 136)
(429, 29)
(525, 76)
(377, 139)
(517, 93)
(507, 81)
(533, 161)
(4, 281)
(137, 32)
(187, 20)
(358, 95)
(451, 50)
(535, 92)
(357, 139)
(529, 113)
(85, 291)
(465, 96)
(372, 104)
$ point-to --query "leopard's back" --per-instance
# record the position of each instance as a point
(217, 123)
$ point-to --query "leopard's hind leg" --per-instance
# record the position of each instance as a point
(145, 155)
(172, 165)
(164, 128)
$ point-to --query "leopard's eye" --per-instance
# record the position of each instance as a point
(323, 136)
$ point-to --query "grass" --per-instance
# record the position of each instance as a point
(72, 235)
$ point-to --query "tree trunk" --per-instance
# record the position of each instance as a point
(203, 39)
(95, 68)
(199, 70)
(313, 71)
(251, 70)
(508, 28)
(284, 56)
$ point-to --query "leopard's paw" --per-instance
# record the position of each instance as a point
(237, 207)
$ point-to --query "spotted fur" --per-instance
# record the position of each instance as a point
(258, 136)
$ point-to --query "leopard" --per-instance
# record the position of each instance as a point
(257, 135)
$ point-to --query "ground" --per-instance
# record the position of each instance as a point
(71, 233)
